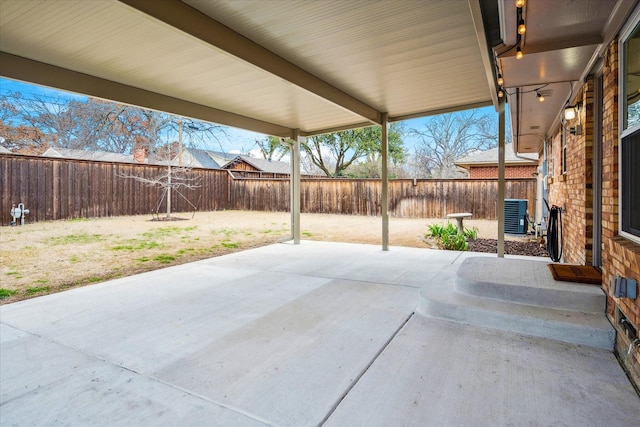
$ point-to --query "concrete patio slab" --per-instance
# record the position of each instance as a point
(45, 383)
(439, 373)
(279, 335)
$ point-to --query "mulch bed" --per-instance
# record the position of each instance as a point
(511, 247)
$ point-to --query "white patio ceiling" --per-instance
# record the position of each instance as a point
(266, 66)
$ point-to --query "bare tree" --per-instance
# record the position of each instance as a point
(176, 177)
(173, 179)
(448, 137)
(63, 122)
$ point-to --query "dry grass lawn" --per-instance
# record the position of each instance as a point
(46, 257)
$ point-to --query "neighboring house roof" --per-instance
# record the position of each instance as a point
(490, 158)
(103, 156)
(196, 157)
(264, 165)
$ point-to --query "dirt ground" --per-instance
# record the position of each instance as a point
(47, 257)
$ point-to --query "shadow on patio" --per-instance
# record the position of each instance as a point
(340, 334)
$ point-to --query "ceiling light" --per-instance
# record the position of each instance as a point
(569, 113)
(500, 93)
(540, 96)
(500, 80)
(521, 27)
(519, 54)
(519, 3)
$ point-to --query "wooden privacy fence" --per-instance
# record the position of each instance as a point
(63, 189)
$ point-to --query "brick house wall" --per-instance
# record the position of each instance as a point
(620, 256)
(481, 172)
(572, 184)
(573, 190)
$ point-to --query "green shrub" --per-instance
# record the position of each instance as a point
(448, 237)
(471, 233)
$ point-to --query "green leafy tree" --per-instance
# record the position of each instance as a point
(272, 148)
(333, 153)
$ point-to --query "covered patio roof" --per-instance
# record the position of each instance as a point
(294, 68)
(278, 66)
(269, 67)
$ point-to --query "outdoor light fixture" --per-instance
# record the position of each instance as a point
(520, 30)
(500, 93)
(569, 113)
(540, 96)
(500, 80)
(521, 27)
(519, 3)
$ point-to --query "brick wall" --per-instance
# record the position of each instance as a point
(572, 187)
(481, 172)
(620, 256)
(573, 190)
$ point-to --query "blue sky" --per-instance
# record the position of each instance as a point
(237, 140)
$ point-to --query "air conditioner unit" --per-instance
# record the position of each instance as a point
(515, 216)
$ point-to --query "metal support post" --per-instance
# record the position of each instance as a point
(385, 181)
(295, 187)
(501, 132)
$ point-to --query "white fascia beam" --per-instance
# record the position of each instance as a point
(190, 21)
(23, 69)
(337, 129)
(487, 62)
(452, 109)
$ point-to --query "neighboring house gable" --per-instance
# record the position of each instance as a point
(247, 163)
(199, 158)
(484, 164)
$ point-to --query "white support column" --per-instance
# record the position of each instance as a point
(385, 181)
(501, 130)
(295, 187)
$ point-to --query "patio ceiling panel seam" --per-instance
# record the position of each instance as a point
(188, 20)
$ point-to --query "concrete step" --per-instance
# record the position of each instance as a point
(442, 298)
(525, 282)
